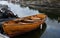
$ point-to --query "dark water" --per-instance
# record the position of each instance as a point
(50, 30)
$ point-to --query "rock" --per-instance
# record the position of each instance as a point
(5, 12)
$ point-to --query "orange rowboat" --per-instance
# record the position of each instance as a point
(22, 25)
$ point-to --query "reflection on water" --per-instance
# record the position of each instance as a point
(21, 12)
(53, 26)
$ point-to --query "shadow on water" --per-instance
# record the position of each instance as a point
(33, 34)
(51, 16)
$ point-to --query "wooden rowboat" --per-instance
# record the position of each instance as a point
(22, 25)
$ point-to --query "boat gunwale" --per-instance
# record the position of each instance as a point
(23, 24)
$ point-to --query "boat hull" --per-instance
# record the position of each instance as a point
(12, 29)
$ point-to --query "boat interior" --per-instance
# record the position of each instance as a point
(25, 20)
